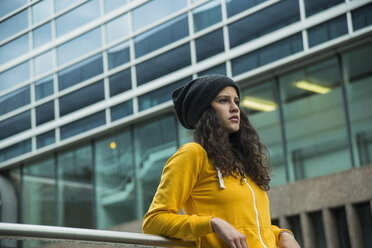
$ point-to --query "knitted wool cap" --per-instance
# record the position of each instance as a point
(192, 99)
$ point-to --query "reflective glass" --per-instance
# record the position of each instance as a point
(184, 135)
(258, 24)
(236, 6)
(219, 69)
(314, 121)
(44, 87)
(209, 45)
(207, 15)
(315, 6)
(81, 98)
(155, 10)
(81, 71)
(357, 72)
(118, 55)
(14, 49)
(7, 7)
(114, 178)
(13, 24)
(120, 82)
(262, 56)
(165, 63)
(42, 34)
(41, 11)
(111, 5)
(60, 5)
(152, 150)
(327, 31)
(160, 95)
(75, 187)
(83, 125)
(121, 110)
(117, 28)
(362, 17)
(162, 35)
(43, 63)
(79, 46)
(38, 193)
(77, 17)
(15, 150)
(14, 100)
(15, 124)
(44, 113)
(14, 76)
(45, 139)
(261, 103)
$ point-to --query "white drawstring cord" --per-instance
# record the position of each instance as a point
(220, 179)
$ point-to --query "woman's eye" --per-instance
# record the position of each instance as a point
(237, 103)
(223, 100)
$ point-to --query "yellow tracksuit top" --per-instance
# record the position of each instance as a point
(190, 181)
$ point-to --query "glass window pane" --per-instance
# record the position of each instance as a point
(121, 110)
(236, 6)
(15, 150)
(81, 98)
(260, 101)
(42, 34)
(41, 11)
(75, 188)
(43, 63)
(14, 76)
(111, 5)
(14, 49)
(79, 46)
(362, 17)
(160, 95)
(295, 227)
(120, 82)
(207, 15)
(83, 125)
(45, 139)
(118, 55)
(327, 31)
(13, 24)
(365, 219)
(162, 35)
(14, 100)
(339, 215)
(114, 176)
(60, 5)
(155, 10)
(152, 150)
(258, 24)
(314, 121)
(358, 79)
(315, 6)
(81, 71)
(318, 229)
(38, 187)
(209, 45)
(8, 6)
(117, 28)
(265, 55)
(45, 113)
(15, 124)
(44, 87)
(219, 69)
(77, 17)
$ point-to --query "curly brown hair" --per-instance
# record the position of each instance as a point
(236, 154)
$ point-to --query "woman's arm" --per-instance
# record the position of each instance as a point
(287, 240)
(228, 233)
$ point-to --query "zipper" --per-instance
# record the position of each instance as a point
(255, 209)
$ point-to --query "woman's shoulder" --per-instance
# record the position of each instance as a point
(192, 147)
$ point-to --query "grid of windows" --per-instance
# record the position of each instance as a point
(73, 55)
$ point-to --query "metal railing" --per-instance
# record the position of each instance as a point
(91, 236)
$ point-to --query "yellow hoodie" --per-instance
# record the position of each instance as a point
(190, 181)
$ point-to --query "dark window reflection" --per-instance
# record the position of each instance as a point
(207, 15)
(315, 6)
(362, 17)
(121, 110)
(44, 87)
(81, 98)
(209, 45)
(219, 69)
(263, 22)
(15, 124)
(120, 82)
(118, 55)
(45, 139)
(14, 100)
(236, 6)
(45, 113)
(15, 150)
(163, 64)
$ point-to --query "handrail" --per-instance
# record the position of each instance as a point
(92, 236)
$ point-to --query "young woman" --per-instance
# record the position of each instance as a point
(220, 180)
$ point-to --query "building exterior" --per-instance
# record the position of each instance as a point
(86, 121)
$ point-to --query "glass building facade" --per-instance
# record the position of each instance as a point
(86, 121)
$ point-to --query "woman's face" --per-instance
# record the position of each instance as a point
(226, 105)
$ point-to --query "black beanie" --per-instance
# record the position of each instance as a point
(192, 99)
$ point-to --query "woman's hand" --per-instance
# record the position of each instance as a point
(228, 233)
(286, 240)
